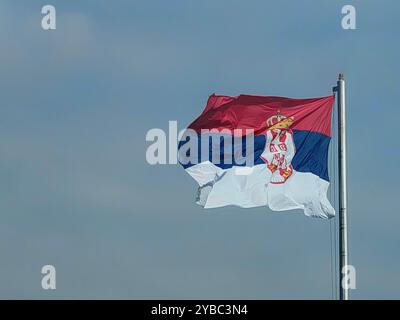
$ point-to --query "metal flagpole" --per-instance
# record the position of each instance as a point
(343, 258)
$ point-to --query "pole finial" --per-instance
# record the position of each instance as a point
(341, 76)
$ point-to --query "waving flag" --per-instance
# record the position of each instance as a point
(254, 151)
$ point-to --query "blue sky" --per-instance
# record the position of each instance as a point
(76, 191)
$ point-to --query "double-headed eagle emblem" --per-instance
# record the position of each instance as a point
(279, 147)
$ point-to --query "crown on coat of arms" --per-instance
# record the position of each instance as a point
(279, 121)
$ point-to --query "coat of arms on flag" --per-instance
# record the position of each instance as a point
(283, 142)
(279, 147)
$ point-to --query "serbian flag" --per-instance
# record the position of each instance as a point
(252, 151)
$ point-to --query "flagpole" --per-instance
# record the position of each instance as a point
(343, 250)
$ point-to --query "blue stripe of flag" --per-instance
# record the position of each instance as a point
(311, 152)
